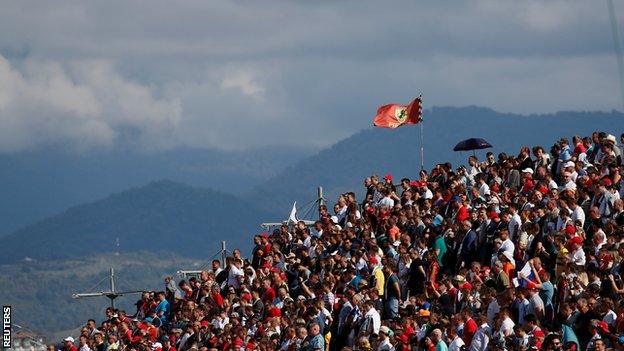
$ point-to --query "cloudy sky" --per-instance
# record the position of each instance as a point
(238, 74)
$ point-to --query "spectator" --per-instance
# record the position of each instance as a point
(516, 254)
(68, 344)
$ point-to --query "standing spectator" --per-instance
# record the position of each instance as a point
(392, 291)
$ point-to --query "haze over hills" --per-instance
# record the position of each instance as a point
(162, 216)
(42, 183)
(40, 292)
(343, 166)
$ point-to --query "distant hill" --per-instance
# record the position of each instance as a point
(41, 183)
(162, 216)
(343, 166)
(40, 292)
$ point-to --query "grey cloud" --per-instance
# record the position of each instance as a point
(242, 74)
(235, 31)
(83, 104)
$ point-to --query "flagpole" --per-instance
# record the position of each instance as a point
(422, 149)
(422, 144)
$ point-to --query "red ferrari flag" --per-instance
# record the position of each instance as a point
(394, 115)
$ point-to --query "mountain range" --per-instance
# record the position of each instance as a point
(42, 183)
(162, 216)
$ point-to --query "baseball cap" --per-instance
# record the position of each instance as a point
(466, 286)
(604, 326)
(384, 329)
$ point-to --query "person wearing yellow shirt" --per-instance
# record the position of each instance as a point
(377, 275)
(562, 255)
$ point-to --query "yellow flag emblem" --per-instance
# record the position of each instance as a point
(401, 114)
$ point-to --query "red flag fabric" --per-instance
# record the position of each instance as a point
(394, 115)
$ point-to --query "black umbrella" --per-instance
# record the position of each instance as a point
(472, 144)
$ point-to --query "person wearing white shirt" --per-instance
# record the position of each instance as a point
(599, 240)
(386, 201)
(578, 256)
(568, 183)
(507, 325)
(492, 310)
(507, 245)
(456, 343)
(484, 189)
(577, 213)
(515, 222)
(307, 241)
(610, 317)
(384, 344)
(371, 321)
(481, 338)
(474, 170)
(427, 194)
(236, 274)
(569, 168)
(186, 337)
(84, 343)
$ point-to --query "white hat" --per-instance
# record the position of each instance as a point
(509, 256)
(156, 345)
(334, 219)
(568, 164)
(527, 170)
(611, 138)
(69, 338)
(384, 329)
(459, 278)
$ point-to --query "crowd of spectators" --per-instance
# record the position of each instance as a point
(512, 253)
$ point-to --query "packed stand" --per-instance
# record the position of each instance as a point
(512, 253)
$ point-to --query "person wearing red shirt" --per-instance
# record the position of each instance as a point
(125, 333)
(68, 344)
(269, 293)
(215, 295)
(459, 210)
(186, 289)
(470, 326)
(579, 148)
